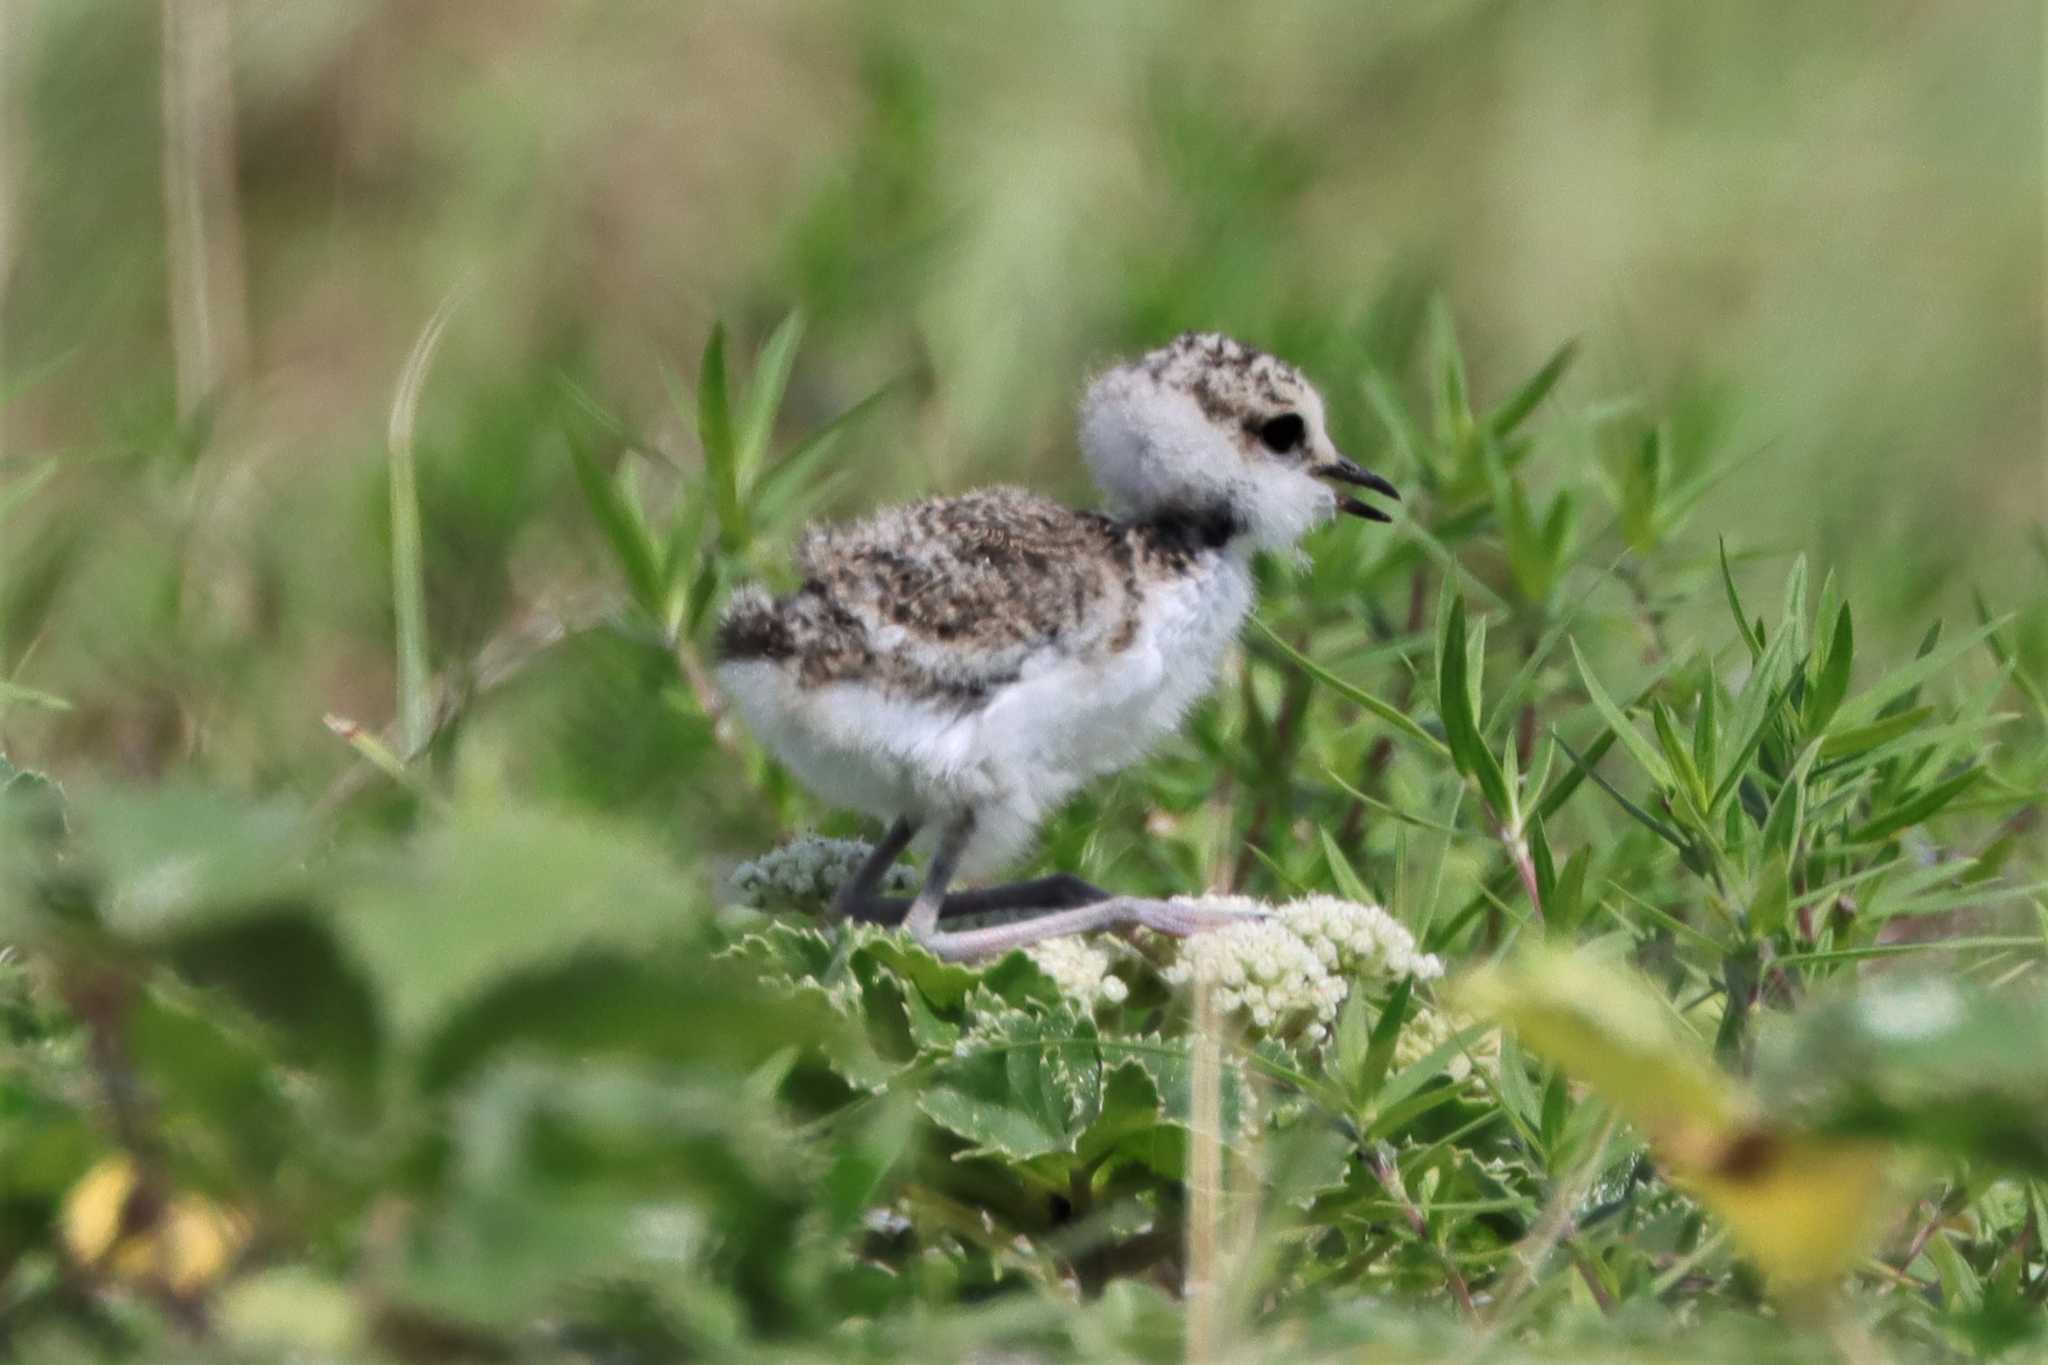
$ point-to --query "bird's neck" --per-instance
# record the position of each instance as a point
(1193, 529)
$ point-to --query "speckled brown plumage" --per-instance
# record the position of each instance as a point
(947, 597)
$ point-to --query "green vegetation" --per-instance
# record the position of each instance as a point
(1692, 715)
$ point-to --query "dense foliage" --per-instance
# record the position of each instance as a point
(459, 1076)
(405, 957)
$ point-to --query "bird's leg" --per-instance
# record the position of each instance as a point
(964, 945)
(1061, 891)
(1177, 918)
(857, 899)
(922, 920)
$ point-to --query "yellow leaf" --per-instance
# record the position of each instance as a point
(93, 1209)
(1802, 1206)
(184, 1245)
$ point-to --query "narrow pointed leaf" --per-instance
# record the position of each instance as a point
(1525, 400)
(764, 395)
(1644, 752)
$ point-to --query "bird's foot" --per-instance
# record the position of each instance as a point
(1184, 916)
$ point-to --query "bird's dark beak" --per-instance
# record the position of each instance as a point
(1346, 471)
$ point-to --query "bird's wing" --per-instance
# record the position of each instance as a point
(959, 594)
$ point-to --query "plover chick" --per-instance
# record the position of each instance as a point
(960, 666)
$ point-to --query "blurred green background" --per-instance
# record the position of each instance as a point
(1800, 250)
(1814, 233)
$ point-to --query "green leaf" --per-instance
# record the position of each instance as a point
(1455, 688)
(1753, 639)
(1903, 683)
(786, 481)
(1349, 883)
(715, 434)
(1641, 749)
(282, 964)
(1453, 408)
(1401, 430)
(1754, 709)
(1365, 1084)
(1029, 1091)
(1923, 805)
(1566, 908)
(1846, 743)
(1647, 820)
(623, 531)
(494, 893)
(1568, 783)
(1770, 904)
(764, 395)
(1385, 711)
(1705, 736)
(1545, 866)
(1833, 683)
(1525, 400)
(1792, 624)
(1680, 758)
(600, 1003)
(1130, 1124)
(1787, 816)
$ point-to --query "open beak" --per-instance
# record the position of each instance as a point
(1345, 471)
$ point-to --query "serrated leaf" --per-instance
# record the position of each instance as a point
(1028, 1091)
(1129, 1122)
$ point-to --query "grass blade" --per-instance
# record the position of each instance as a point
(408, 572)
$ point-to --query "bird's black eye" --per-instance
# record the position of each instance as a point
(1283, 433)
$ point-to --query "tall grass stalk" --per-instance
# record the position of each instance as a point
(208, 296)
(408, 577)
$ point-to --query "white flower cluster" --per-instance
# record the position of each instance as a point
(805, 873)
(1356, 939)
(1081, 971)
(1288, 972)
(1429, 1028)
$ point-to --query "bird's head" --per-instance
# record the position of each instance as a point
(1209, 427)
